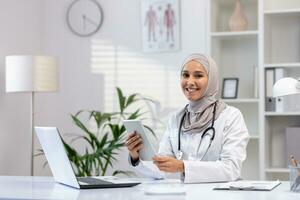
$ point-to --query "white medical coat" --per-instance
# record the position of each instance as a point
(223, 160)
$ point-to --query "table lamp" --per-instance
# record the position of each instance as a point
(29, 73)
(286, 86)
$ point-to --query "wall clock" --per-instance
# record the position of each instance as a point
(84, 17)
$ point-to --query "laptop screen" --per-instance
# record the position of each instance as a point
(56, 155)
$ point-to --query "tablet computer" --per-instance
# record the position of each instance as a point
(148, 150)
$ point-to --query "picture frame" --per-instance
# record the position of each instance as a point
(160, 23)
(230, 88)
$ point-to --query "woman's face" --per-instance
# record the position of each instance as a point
(194, 80)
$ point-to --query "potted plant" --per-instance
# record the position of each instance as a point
(103, 143)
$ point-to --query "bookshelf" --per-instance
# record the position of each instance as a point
(224, 46)
(281, 49)
(271, 41)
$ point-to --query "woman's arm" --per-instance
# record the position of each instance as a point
(233, 153)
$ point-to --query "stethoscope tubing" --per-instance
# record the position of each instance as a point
(203, 134)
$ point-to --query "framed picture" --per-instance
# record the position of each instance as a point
(230, 88)
(160, 25)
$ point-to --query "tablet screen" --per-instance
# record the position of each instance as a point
(148, 150)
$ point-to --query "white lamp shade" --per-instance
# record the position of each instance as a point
(31, 74)
(286, 86)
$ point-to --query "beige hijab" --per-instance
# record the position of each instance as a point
(199, 113)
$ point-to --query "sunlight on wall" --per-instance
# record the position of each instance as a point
(135, 73)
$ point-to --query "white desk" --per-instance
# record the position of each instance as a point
(13, 187)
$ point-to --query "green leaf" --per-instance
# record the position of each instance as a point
(100, 118)
(103, 141)
(151, 131)
(122, 99)
(135, 114)
(116, 130)
(131, 99)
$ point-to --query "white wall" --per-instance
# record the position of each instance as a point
(79, 88)
(20, 34)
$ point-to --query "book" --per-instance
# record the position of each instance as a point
(270, 103)
(249, 185)
(279, 101)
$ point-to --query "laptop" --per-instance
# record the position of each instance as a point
(62, 169)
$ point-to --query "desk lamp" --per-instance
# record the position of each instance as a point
(286, 86)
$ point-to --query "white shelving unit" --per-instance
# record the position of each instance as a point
(271, 41)
(236, 54)
(241, 34)
(254, 137)
(277, 170)
(282, 113)
(281, 45)
(286, 65)
(241, 100)
(281, 11)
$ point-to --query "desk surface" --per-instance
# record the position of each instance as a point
(18, 187)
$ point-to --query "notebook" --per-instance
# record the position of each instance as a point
(61, 167)
(249, 185)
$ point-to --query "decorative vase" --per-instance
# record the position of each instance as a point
(238, 21)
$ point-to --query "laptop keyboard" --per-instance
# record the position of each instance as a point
(92, 181)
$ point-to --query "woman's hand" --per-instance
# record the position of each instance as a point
(168, 164)
(134, 143)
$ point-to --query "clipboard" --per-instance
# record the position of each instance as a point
(249, 185)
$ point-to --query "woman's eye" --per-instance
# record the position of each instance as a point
(185, 75)
(198, 75)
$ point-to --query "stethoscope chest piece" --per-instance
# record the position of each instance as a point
(179, 155)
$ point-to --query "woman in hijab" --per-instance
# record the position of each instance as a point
(206, 140)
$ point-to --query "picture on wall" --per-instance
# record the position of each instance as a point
(160, 25)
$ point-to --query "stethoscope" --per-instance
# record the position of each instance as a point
(179, 153)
